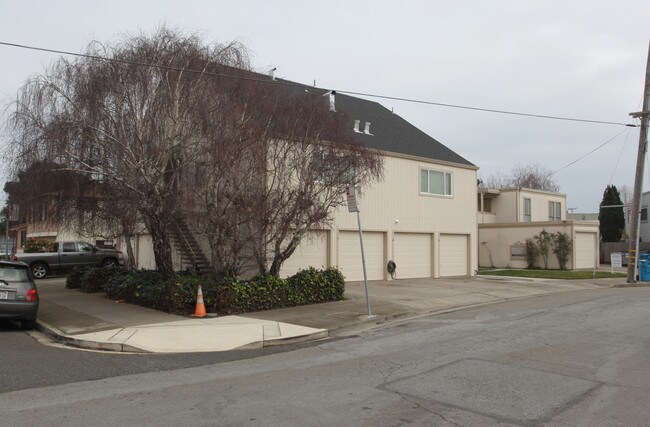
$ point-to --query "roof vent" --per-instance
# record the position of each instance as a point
(272, 73)
(366, 130)
(356, 126)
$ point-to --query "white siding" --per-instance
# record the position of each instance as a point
(395, 205)
(312, 252)
(585, 250)
(412, 252)
(350, 255)
(453, 255)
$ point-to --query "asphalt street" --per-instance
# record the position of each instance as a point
(35, 361)
(576, 358)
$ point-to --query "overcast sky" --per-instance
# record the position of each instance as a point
(574, 58)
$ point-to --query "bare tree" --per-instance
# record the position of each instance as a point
(169, 128)
(281, 174)
(531, 175)
(132, 124)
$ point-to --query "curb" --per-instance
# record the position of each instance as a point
(71, 341)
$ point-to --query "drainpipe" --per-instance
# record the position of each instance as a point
(517, 205)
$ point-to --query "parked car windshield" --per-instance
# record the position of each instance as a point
(11, 273)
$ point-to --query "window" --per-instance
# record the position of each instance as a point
(69, 247)
(84, 247)
(23, 238)
(554, 211)
(435, 182)
(333, 168)
(527, 210)
(644, 214)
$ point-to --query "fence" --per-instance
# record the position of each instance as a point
(606, 248)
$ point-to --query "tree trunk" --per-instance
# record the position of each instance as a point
(162, 248)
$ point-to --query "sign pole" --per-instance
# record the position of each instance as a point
(352, 207)
(363, 262)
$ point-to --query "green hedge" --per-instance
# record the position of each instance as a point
(96, 278)
(226, 296)
(73, 280)
(268, 292)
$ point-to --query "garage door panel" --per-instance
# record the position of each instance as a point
(349, 251)
(585, 247)
(453, 255)
(412, 253)
(312, 252)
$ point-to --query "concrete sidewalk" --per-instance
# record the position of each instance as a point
(95, 322)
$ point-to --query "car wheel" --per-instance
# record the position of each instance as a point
(109, 262)
(27, 325)
(39, 270)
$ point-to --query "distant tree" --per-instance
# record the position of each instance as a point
(562, 248)
(531, 175)
(544, 241)
(612, 220)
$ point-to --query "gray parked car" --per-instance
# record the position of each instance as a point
(18, 294)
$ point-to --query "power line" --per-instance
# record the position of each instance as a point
(619, 158)
(292, 84)
(582, 157)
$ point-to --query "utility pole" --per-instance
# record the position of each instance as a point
(638, 177)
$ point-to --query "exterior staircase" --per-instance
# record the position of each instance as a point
(192, 256)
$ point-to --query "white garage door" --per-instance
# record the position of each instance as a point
(312, 252)
(350, 255)
(453, 255)
(585, 250)
(412, 255)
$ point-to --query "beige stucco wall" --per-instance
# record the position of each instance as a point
(508, 206)
(496, 240)
(395, 205)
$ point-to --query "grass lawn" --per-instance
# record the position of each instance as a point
(551, 274)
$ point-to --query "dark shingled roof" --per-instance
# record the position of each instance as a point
(389, 132)
(392, 133)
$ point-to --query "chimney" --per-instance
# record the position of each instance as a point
(331, 94)
(367, 129)
(332, 100)
(356, 126)
(272, 73)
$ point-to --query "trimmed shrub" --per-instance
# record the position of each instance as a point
(142, 287)
(262, 292)
(267, 292)
(312, 285)
(73, 279)
(226, 296)
(562, 246)
(531, 253)
(94, 279)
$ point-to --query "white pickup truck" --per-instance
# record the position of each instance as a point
(69, 254)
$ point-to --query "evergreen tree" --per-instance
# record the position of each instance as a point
(612, 220)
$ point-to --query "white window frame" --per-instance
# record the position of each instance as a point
(554, 211)
(448, 183)
(528, 209)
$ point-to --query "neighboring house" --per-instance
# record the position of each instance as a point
(644, 226)
(421, 215)
(583, 216)
(509, 216)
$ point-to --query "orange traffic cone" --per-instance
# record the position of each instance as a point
(200, 306)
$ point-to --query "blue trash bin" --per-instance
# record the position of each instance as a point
(644, 270)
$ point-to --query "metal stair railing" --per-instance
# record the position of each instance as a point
(186, 245)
